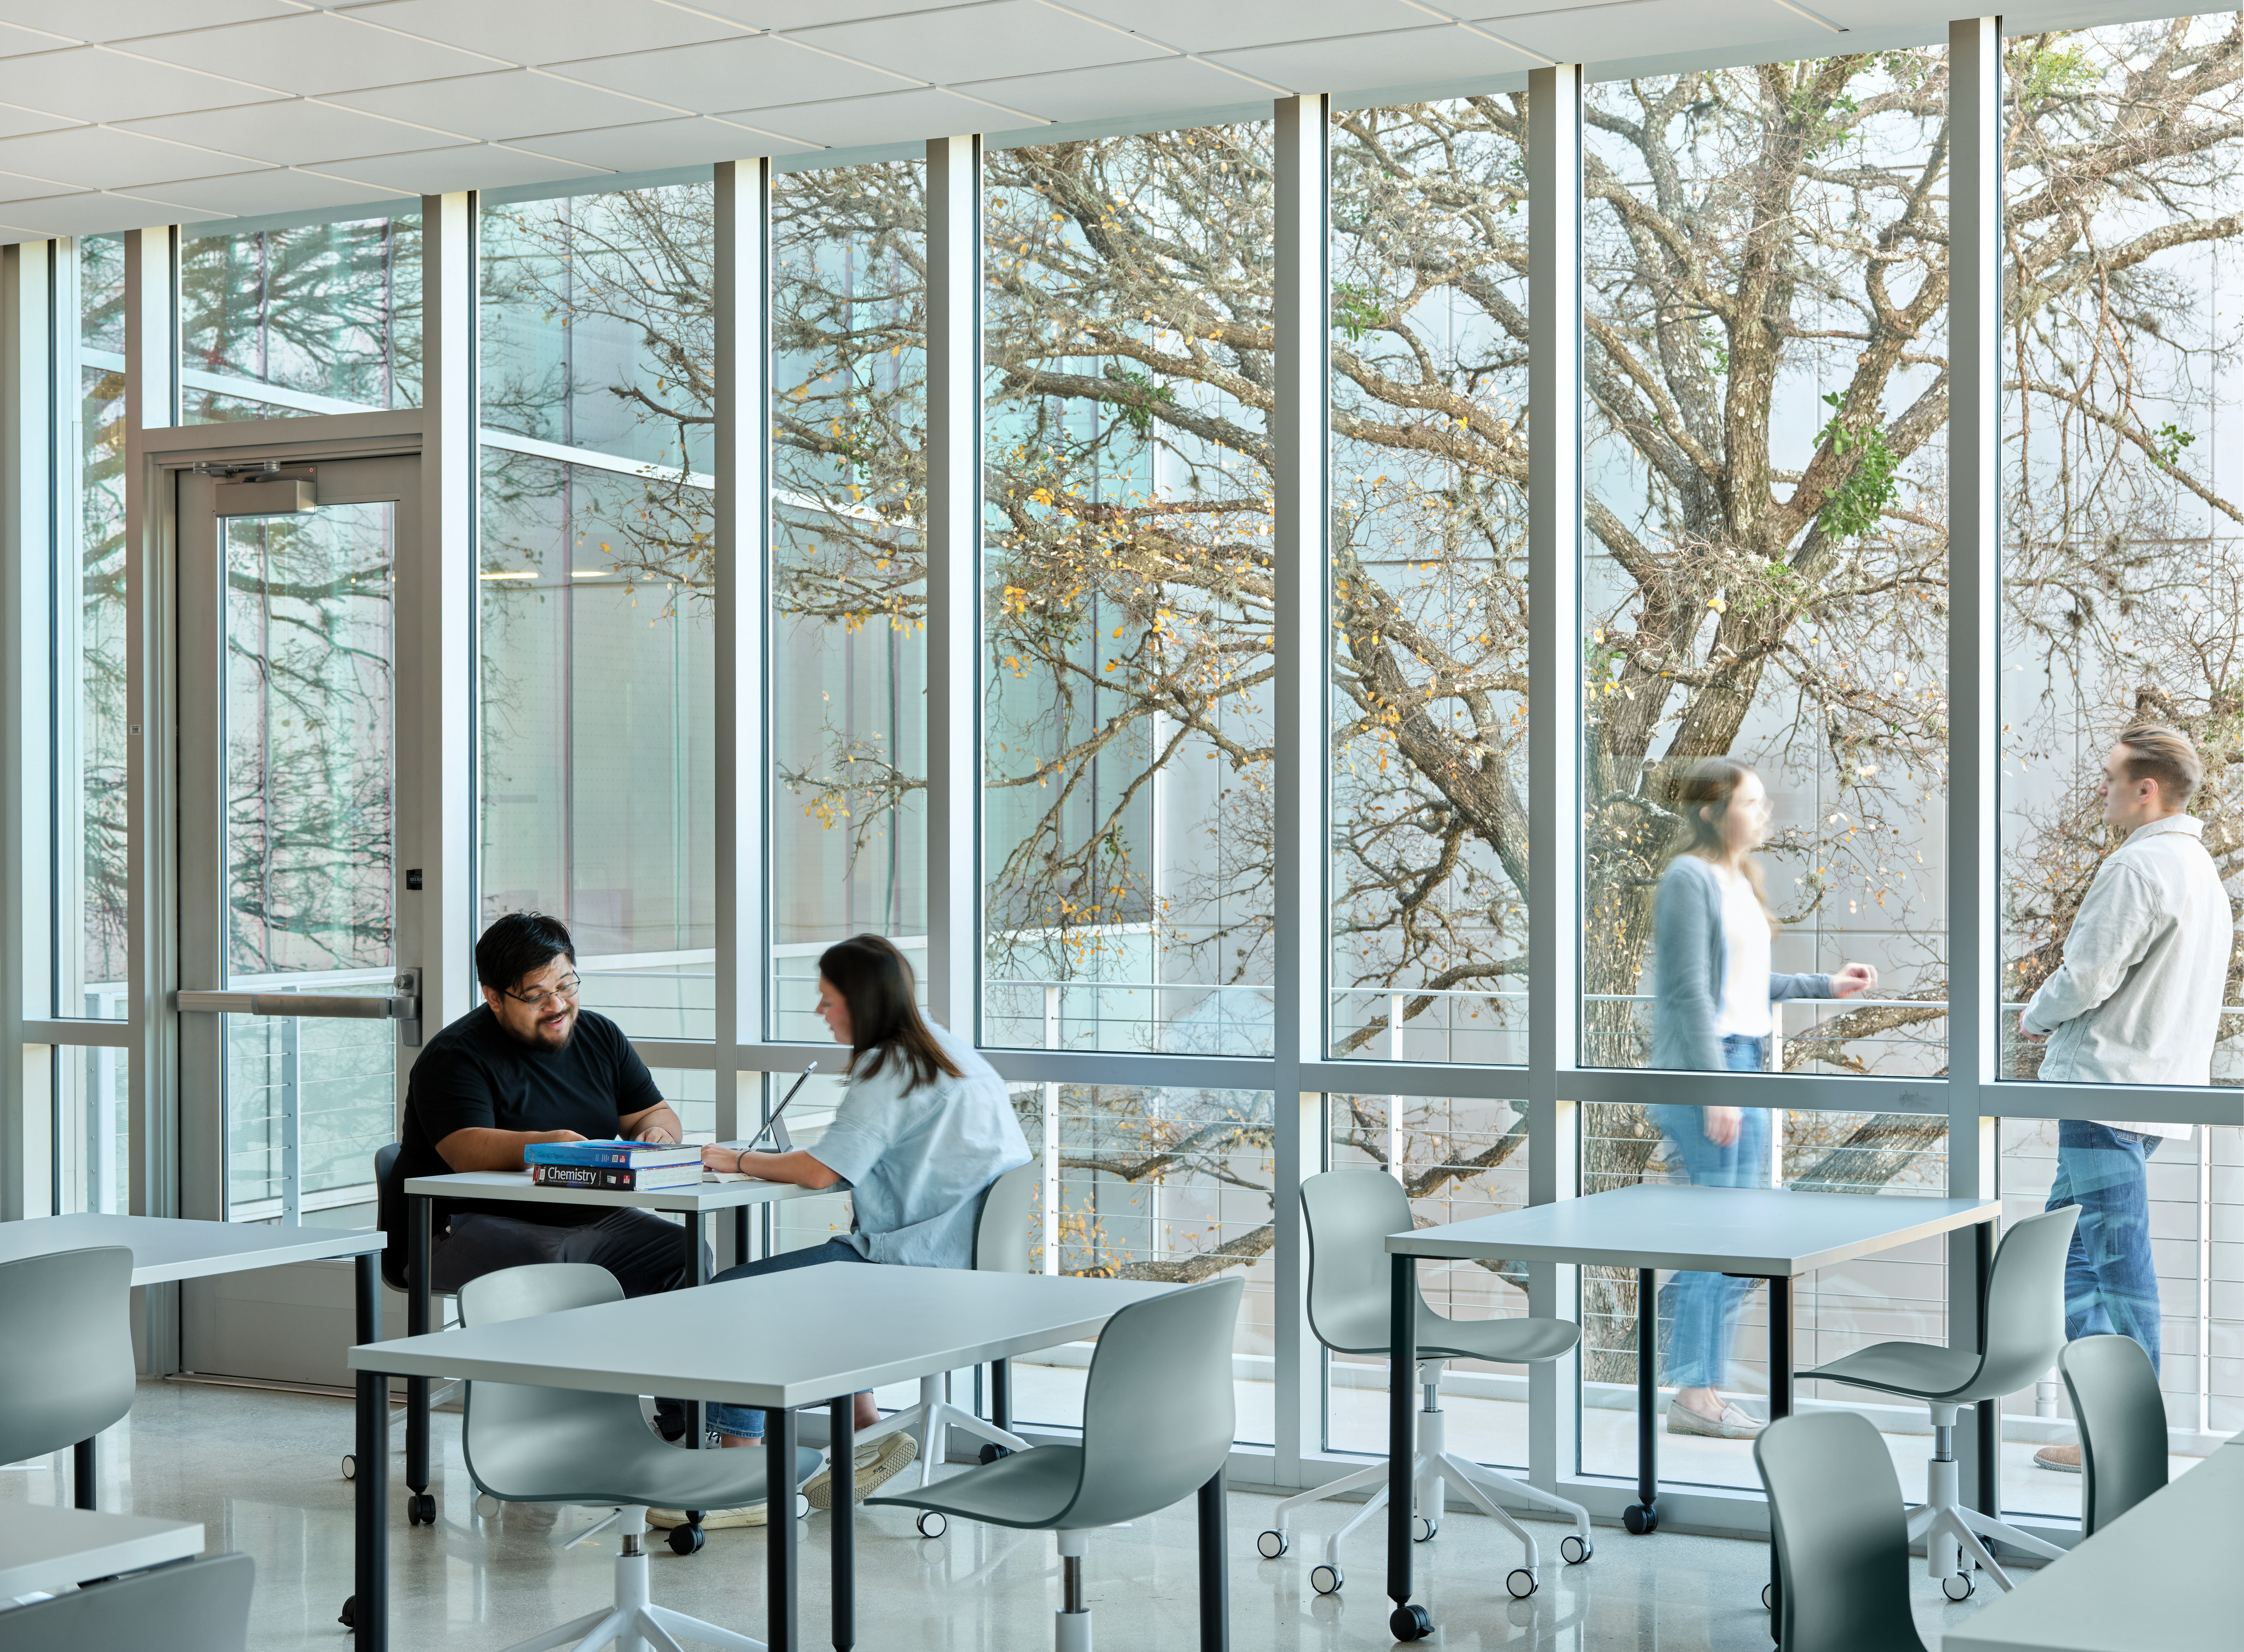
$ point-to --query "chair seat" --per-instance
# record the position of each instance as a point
(1917, 1369)
(595, 1453)
(1503, 1341)
(1029, 1490)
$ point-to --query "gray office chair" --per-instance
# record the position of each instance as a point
(1158, 1420)
(2025, 1328)
(1000, 1245)
(194, 1606)
(526, 1444)
(1348, 1214)
(389, 1216)
(2123, 1426)
(1835, 1514)
(66, 1360)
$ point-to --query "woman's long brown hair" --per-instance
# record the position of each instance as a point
(1709, 784)
(876, 983)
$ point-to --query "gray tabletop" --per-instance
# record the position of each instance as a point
(791, 1339)
(1711, 1230)
(2162, 1575)
(516, 1185)
(51, 1549)
(166, 1248)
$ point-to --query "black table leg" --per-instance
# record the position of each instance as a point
(1001, 1394)
(842, 1474)
(1407, 1623)
(697, 1232)
(84, 1468)
(367, 1612)
(1779, 1399)
(419, 1241)
(779, 1529)
(1643, 1515)
(1987, 1452)
(1215, 1570)
(740, 1234)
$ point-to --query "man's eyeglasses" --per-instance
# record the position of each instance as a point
(571, 989)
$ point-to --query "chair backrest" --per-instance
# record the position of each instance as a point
(1347, 1213)
(389, 1214)
(2025, 1302)
(196, 1606)
(1000, 1232)
(1835, 1515)
(1158, 1405)
(502, 1416)
(2123, 1426)
(66, 1367)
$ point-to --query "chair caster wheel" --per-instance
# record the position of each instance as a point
(1768, 1597)
(1423, 1530)
(1326, 1580)
(933, 1522)
(1409, 1623)
(349, 1617)
(1958, 1586)
(350, 1467)
(1641, 1519)
(1272, 1545)
(687, 1539)
(421, 1509)
(1521, 1582)
(802, 1506)
(993, 1451)
(487, 1507)
(1576, 1550)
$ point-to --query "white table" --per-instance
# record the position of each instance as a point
(47, 1550)
(2164, 1576)
(855, 1327)
(1770, 1233)
(696, 1203)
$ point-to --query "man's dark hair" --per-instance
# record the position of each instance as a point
(875, 980)
(519, 943)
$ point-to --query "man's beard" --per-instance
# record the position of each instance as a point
(538, 1038)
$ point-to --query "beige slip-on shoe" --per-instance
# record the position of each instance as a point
(877, 1465)
(1733, 1424)
(2059, 1460)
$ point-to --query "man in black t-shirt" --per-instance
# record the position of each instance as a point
(531, 1066)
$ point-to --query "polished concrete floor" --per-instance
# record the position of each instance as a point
(260, 1470)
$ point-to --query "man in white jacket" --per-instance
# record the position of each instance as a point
(2137, 1000)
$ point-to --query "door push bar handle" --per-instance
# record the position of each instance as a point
(403, 1007)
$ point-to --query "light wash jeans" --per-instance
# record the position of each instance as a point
(1698, 1311)
(2110, 1285)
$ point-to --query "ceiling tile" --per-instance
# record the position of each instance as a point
(697, 141)
(436, 171)
(125, 19)
(1120, 90)
(1647, 28)
(1196, 26)
(978, 42)
(15, 41)
(14, 186)
(276, 189)
(535, 31)
(899, 116)
(93, 214)
(1363, 62)
(14, 120)
(106, 158)
(314, 53)
(798, 14)
(732, 74)
(292, 131)
(511, 104)
(93, 82)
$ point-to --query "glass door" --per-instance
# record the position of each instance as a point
(288, 791)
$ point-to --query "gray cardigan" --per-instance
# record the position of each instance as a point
(1688, 958)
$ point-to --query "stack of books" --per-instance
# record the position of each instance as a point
(614, 1167)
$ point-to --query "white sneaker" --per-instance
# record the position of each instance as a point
(1733, 1424)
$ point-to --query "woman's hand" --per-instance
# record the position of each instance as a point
(1721, 1124)
(1853, 979)
(713, 1157)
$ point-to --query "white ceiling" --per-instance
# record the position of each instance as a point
(118, 114)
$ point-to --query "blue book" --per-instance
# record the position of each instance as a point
(617, 1154)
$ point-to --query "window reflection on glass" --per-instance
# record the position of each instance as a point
(93, 1135)
(1457, 1159)
(848, 672)
(1127, 602)
(596, 580)
(2123, 554)
(318, 318)
(1765, 286)
(1428, 701)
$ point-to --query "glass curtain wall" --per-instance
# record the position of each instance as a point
(595, 577)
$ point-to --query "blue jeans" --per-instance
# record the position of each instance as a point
(747, 1421)
(2110, 1285)
(1698, 1311)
